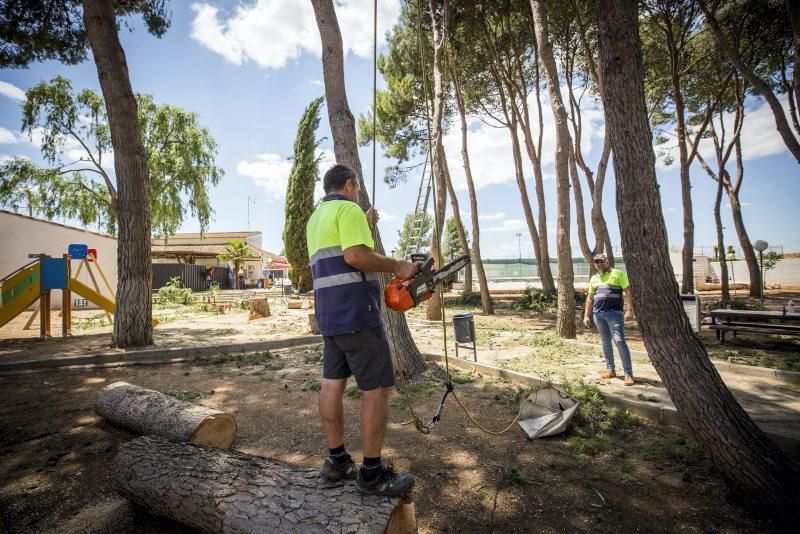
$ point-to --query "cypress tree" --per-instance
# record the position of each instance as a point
(300, 196)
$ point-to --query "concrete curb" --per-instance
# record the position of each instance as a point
(735, 368)
(152, 356)
(664, 415)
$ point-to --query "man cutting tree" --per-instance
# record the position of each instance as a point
(347, 297)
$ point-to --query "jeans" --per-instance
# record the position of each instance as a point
(612, 323)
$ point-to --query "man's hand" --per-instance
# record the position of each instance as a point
(372, 217)
(586, 321)
(628, 316)
(406, 269)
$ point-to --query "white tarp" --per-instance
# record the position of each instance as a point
(547, 412)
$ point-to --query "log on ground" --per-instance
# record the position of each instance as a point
(215, 490)
(150, 412)
(313, 326)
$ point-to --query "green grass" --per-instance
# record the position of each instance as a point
(425, 387)
(312, 384)
(660, 448)
(353, 392)
(464, 377)
(266, 359)
(97, 320)
(517, 475)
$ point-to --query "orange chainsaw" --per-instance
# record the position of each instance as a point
(402, 295)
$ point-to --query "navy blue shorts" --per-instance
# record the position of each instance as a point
(364, 354)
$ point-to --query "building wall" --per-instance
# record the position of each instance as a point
(22, 235)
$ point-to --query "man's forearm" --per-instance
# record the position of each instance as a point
(588, 306)
(628, 301)
(371, 262)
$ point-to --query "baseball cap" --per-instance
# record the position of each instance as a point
(600, 256)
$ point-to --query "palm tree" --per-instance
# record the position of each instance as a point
(237, 252)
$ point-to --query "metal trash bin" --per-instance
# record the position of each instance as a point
(464, 328)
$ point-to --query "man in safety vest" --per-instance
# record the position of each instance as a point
(605, 301)
(348, 298)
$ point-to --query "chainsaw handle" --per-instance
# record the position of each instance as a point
(419, 258)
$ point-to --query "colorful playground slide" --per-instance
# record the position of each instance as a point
(19, 291)
(92, 296)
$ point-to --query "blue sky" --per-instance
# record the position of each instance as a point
(249, 69)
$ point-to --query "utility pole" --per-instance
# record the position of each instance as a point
(250, 200)
(519, 247)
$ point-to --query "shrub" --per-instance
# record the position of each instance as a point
(535, 300)
(470, 300)
(174, 293)
(735, 304)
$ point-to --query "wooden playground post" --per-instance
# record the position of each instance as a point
(96, 285)
(66, 300)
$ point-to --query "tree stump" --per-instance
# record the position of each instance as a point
(259, 308)
(149, 412)
(312, 324)
(294, 304)
(213, 490)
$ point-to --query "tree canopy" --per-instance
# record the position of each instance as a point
(78, 180)
(40, 30)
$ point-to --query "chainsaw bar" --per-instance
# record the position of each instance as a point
(449, 269)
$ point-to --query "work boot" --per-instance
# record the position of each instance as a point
(629, 380)
(387, 482)
(334, 471)
(607, 374)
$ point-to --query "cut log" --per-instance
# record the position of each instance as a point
(150, 412)
(312, 324)
(259, 308)
(294, 304)
(226, 491)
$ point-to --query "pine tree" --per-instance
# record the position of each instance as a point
(300, 196)
(416, 231)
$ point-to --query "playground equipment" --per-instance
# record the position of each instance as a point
(36, 279)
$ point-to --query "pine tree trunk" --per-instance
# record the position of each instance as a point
(133, 325)
(486, 300)
(723, 262)
(406, 354)
(744, 240)
(150, 412)
(438, 162)
(752, 465)
(565, 320)
(213, 490)
(687, 254)
(462, 234)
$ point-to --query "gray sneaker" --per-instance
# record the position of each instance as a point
(334, 471)
(387, 483)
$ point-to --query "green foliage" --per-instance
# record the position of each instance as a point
(78, 183)
(470, 300)
(593, 418)
(414, 225)
(174, 293)
(237, 252)
(39, 30)
(353, 393)
(771, 259)
(536, 300)
(300, 196)
(735, 304)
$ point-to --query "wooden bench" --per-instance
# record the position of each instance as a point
(756, 328)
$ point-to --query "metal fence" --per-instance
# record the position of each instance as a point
(527, 268)
(191, 276)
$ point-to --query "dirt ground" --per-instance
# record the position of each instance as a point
(609, 473)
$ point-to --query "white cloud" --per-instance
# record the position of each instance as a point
(385, 216)
(270, 172)
(12, 91)
(510, 225)
(273, 32)
(491, 216)
(7, 137)
(490, 149)
(319, 83)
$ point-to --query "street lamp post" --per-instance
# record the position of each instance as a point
(761, 246)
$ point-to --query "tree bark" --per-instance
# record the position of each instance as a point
(744, 240)
(486, 300)
(259, 308)
(752, 465)
(462, 234)
(406, 355)
(723, 261)
(152, 413)
(133, 325)
(781, 124)
(565, 319)
(226, 491)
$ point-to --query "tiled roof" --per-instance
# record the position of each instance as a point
(207, 235)
(202, 250)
